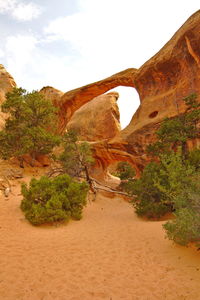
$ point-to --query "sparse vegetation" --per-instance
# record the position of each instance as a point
(169, 185)
(172, 183)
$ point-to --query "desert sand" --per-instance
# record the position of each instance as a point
(110, 254)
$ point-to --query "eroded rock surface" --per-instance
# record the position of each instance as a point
(162, 82)
(6, 84)
(73, 100)
(98, 119)
(52, 94)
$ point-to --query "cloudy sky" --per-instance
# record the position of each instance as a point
(70, 43)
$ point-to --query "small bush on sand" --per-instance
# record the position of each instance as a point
(52, 200)
(125, 170)
(185, 228)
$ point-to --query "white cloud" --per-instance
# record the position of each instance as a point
(117, 34)
(110, 35)
(1, 53)
(20, 51)
(21, 47)
(7, 5)
(113, 35)
(26, 12)
(33, 68)
(19, 10)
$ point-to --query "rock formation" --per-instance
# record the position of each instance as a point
(52, 94)
(73, 100)
(98, 119)
(6, 85)
(162, 82)
(6, 82)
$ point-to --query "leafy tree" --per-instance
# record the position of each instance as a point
(163, 187)
(51, 200)
(147, 199)
(175, 178)
(172, 183)
(30, 127)
(176, 181)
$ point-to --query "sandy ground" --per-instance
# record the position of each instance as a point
(110, 254)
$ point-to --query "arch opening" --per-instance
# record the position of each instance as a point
(128, 103)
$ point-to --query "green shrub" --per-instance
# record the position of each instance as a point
(148, 200)
(124, 170)
(51, 200)
(162, 187)
(172, 184)
(151, 209)
(194, 159)
(185, 228)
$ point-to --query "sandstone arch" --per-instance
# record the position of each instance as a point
(73, 100)
(162, 82)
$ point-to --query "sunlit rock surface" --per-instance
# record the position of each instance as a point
(98, 119)
(6, 85)
(162, 82)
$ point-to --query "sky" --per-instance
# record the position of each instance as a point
(70, 43)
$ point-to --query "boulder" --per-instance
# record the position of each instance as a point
(52, 94)
(98, 119)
